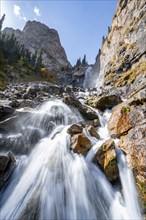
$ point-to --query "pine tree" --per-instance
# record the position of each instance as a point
(109, 29)
(1, 41)
(103, 39)
(34, 59)
(39, 64)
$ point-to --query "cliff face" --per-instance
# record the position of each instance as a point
(123, 72)
(123, 52)
(38, 37)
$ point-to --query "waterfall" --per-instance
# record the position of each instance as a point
(90, 78)
(54, 183)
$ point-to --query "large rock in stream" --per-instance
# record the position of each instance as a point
(80, 143)
(106, 158)
(92, 131)
(75, 129)
(85, 111)
(105, 102)
(7, 166)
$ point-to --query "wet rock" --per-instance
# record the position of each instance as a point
(80, 144)
(31, 211)
(85, 111)
(75, 129)
(33, 135)
(8, 164)
(14, 104)
(25, 96)
(106, 158)
(3, 163)
(14, 143)
(141, 184)
(53, 89)
(8, 125)
(6, 111)
(106, 102)
(95, 123)
(93, 132)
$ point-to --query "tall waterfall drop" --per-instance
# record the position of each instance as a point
(53, 182)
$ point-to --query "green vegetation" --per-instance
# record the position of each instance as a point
(17, 63)
(116, 27)
(109, 77)
(125, 109)
(130, 75)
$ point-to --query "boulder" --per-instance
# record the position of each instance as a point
(3, 163)
(15, 103)
(95, 123)
(85, 111)
(8, 125)
(80, 144)
(106, 102)
(7, 166)
(92, 132)
(123, 118)
(5, 112)
(75, 129)
(106, 158)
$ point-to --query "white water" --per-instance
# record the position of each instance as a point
(90, 79)
(63, 184)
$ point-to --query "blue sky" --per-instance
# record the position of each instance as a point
(80, 24)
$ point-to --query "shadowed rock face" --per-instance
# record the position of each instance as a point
(7, 166)
(36, 37)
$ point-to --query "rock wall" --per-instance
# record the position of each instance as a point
(123, 72)
(123, 52)
(38, 37)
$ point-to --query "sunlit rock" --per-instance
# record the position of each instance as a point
(123, 118)
(85, 111)
(106, 158)
(134, 145)
(93, 132)
(80, 144)
(75, 129)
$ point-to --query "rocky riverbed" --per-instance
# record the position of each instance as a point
(126, 127)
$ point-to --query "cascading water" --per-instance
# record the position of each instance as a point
(55, 183)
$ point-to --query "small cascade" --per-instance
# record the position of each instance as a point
(102, 131)
(52, 182)
(129, 191)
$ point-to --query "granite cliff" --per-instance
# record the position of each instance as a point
(37, 37)
(123, 51)
(123, 72)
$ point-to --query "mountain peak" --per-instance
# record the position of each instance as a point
(37, 37)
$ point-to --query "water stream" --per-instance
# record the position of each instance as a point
(54, 183)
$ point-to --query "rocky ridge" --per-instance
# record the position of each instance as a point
(37, 37)
(123, 52)
(127, 122)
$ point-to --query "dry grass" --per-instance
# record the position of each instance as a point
(130, 75)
